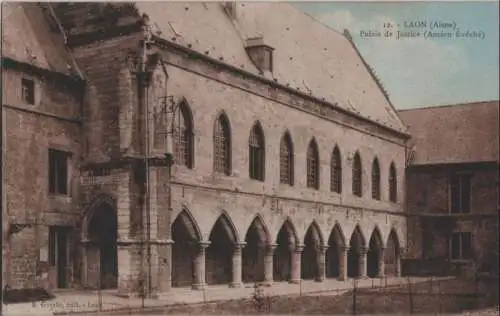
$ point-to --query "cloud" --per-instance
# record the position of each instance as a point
(414, 70)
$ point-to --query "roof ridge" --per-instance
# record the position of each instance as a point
(375, 78)
(315, 20)
(450, 105)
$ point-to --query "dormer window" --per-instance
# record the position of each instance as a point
(260, 53)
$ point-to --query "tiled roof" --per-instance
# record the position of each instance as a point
(27, 37)
(454, 134)
(308, 55)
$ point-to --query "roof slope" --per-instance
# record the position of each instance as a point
(308, 55)
(454, 134)
(26, 33)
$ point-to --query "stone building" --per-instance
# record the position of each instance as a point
(288, 157)
(452, 188)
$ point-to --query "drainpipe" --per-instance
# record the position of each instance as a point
(143, 86)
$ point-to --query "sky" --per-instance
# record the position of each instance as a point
(422, 71)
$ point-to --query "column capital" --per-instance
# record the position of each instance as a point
(239, 245)
(271, 247)
(363, 250)
(299, 248)
(344, 248)
(323, 248)
(203, 244)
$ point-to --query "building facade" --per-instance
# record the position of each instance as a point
(201, 143)
(452, 189)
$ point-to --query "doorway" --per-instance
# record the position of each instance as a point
(59, 254)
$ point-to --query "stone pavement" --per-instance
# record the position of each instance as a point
(82, 302)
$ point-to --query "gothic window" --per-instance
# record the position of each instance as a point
(286, 159)
(312, 165)
(222, 146)
(357, 171)
(184, 136)
(336, 171)
(393, 184)
(375, 180)
(256, 152)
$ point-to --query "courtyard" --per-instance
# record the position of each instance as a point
(385, 296)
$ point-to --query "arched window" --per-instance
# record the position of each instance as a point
(393, 184)
(256, 153)
(183, 136)
(312, 165)
(286, 159)
(375, 180)
(357, 171)
(336, 171)
(222, 145)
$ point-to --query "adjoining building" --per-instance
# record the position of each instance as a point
(288, 157)
(453, 188)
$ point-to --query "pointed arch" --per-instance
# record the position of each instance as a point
(357, 175)
(260, 226)
(189, 223)
(337, 235)
(375, 179)
(186, 236)
(222, 144)
(286, 159)
(375, 246)
(336, 241)
(392, 254)
(286, 240)
(289, 227)
(256, 152)
(393, 184)
(313, 241)
(315, 232)
(393, 237)
(101, 227)
(376, 236)
(358, 237)
(253, 254)
(357, 244)
(184, 135)
(224, 222)
(336, 171)
(313, 164)
(102, 200)
(223, 238)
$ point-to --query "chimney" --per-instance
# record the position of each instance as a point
(230, 9)
(260, 53)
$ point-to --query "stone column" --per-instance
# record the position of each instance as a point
(268, 264)
(399, 254)
(321, 263)
(343, 250)
(362, 262)
(163, 258)
(381, 263)
(296, 264)
(236, 282)
(199, 267)
(126, 288)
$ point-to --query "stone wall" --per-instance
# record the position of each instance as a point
(30, 130)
